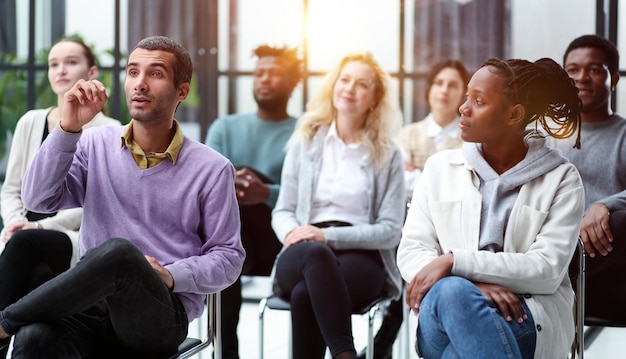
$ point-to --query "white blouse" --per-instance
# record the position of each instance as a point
(341, 193)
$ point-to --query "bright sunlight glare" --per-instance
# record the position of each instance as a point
(336, 27)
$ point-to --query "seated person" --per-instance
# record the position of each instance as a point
(492, 226)
(160, 225)
(439, 130)
(340, 208)
(39, 246)
(593, 63)
(255, 144)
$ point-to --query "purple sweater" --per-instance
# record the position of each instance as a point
(185, 215)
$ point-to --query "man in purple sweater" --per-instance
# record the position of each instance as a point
(160, 225)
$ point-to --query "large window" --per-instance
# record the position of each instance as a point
(406, 36)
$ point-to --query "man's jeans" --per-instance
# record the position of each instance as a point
(455, 317)
(112, 300)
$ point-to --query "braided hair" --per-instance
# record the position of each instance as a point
(548, 94)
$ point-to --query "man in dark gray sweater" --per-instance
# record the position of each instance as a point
(593, 63)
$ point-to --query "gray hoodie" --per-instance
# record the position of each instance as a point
(499, 192)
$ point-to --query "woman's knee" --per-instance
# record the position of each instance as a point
(297, 260)
(301, 256)
(316, 252)
(23, 240)
(450, 289)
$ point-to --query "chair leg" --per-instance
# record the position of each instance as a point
(590, 335)
(369, 351)
(217, 338)
(262, 307)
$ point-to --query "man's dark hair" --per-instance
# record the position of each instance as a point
(611, 55)
(287, 56)
(183, 67)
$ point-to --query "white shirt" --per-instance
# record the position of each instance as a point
(341, 188)
(439, 135)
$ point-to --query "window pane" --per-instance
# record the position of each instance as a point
(620, 100)
(12, 106)
(544, 28)
(44, 96)
(272, 22)
(336, 27)
(621, 33)
(96, 31)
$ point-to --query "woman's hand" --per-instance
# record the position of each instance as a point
(306, 233)
(10, 229)
(426, 278)
(507, 302)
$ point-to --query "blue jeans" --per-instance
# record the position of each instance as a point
(112, 302)
(457, 321)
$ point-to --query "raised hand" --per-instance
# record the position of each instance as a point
(81, 103)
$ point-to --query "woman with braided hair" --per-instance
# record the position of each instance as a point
(493, 225)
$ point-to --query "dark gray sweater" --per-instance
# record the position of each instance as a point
(601, 161)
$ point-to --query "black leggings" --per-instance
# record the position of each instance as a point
(323, 286)
(31, 258)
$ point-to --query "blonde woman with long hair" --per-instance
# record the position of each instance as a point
(340, 208)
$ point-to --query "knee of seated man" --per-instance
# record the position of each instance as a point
(119, 249)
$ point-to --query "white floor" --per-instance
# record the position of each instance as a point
(608, 345)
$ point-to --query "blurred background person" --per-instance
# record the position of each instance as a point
(39, 246)
(255, 143)
(439, 130)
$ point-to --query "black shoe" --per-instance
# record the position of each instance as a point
(4, 347)
(377, 355)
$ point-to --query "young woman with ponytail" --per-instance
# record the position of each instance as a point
(492, 226)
